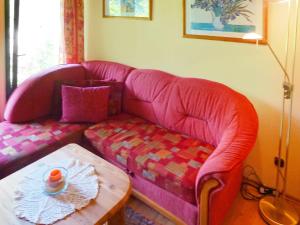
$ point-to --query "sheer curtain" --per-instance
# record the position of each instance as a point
(73, 31)
(39, 40)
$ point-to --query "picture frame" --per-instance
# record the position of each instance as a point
(132, 9)
(214, 22)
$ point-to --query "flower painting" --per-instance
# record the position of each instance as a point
(227, 20)
(127, 8)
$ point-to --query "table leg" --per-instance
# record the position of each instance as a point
(118, 218)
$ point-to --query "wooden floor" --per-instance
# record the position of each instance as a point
(243, 212)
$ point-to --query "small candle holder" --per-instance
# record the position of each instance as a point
(55, 180)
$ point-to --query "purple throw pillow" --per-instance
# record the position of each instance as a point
(84, 104)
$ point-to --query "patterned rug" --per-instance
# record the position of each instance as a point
(135, 218)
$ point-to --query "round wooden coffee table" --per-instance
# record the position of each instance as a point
(115, 190)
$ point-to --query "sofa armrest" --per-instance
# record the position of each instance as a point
(216, 196)
(234, 147)
(33, 98)
(225, 164)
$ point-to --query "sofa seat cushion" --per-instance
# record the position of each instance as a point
(117, 137)
(163, 157)
(20, 143)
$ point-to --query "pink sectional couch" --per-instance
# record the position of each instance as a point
(182, 140)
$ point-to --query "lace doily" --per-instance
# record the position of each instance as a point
(34, 205)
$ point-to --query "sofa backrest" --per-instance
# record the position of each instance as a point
(34, 97)
(203, 109)
(103, 70)
(199, 108)
(146, 94)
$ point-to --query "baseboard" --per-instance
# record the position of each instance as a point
(157, 207)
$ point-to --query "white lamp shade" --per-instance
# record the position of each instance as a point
(252, 36)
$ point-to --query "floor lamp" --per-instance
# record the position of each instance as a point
(274, 209)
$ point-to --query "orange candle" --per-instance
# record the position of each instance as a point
(55, 175)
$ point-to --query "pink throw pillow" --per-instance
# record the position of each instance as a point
(114, 99)
(84, 104)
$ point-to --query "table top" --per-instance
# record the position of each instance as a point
(115, 189)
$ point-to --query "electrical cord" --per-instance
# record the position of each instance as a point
(252, 187)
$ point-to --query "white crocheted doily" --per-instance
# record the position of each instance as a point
(34, 205)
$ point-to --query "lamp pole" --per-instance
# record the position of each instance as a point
(274, 209)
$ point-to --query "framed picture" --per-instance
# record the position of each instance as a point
(137, 9)
(225, 20)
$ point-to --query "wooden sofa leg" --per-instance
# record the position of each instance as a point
(204, 201)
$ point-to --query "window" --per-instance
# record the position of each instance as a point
(34, 33)
(39, 36)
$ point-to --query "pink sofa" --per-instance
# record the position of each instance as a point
(182, 140)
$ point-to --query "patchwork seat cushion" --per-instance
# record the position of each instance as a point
(20, 144)
(163, 157)
(117, 137)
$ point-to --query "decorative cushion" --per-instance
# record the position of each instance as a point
(115, 94)
(89, 104)
(18, 141)
(163, 157)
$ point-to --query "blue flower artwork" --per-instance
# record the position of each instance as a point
(223, 12)
(128, 6)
